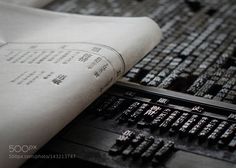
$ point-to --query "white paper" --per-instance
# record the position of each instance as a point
(53, 65)
(31, 3)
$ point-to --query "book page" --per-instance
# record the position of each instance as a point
(32, 3)
(53, 65)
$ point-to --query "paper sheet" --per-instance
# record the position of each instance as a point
(53, 65)
(32, 3)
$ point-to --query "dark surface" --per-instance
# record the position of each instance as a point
(95, 136)
(197, 53)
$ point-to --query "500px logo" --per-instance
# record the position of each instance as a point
(21, 148)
